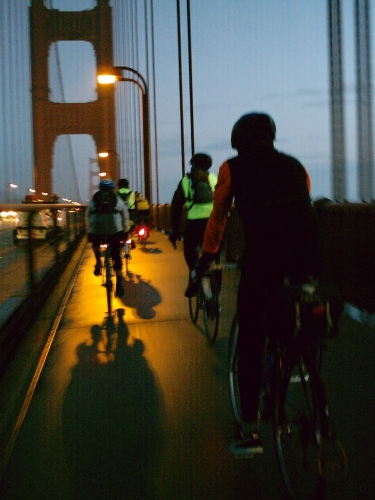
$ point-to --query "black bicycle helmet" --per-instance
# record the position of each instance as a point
(107, 184)
(253, 127)
(123, 183)
(201, 161)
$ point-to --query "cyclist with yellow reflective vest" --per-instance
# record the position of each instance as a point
(128, 196)
(194, 193)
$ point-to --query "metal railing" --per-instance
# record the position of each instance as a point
(348, 231)
(36, 246)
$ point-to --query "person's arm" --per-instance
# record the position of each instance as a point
(223, 197)
(124, 212)
(177, 205)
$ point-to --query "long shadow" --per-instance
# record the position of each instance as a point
(140, 295)
(112, 418)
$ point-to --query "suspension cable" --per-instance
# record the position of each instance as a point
(154, 94)
(190, 80)
(181, 89)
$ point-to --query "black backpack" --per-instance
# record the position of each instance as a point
(200, 188)
(105, 202)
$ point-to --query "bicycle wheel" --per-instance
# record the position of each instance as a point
(128, 256)
(211, 311)
(300, 424)
(194, 304)
(108, 280)
(233, 371)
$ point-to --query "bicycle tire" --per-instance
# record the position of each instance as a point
(194, 305)
(211, 317)
(127, 258)
(108, 281)
(233, 371)
(300, 423)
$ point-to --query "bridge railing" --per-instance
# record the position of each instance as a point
(30, 270)
(348, 231)
(32, 266)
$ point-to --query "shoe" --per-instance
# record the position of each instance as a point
(246, 447)
(192, 289)
(97, 270)
(119, 288)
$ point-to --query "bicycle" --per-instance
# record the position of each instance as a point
(106, 270)
(308, 451)
(207, 300)
(142, 230)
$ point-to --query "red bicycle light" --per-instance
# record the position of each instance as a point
(141, 231)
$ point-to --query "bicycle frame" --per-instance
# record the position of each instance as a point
(308, 451)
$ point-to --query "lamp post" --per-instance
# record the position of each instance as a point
(115, 75)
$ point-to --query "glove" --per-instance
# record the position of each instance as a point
(204, 263)
(173, 236)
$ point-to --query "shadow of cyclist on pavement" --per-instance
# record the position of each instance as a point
(140, 295)
(112, 419)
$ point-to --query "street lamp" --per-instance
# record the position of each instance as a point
(8, 187)
(110, 152)
(115, 75)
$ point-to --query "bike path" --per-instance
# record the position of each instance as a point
(152, 419)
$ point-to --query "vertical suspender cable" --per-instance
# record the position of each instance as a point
(154, 92)
(190, 80)
(146, 54)
(137, 101)
(181, 89)
(6, 57)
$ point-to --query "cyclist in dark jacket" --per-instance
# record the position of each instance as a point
(282, 238)
(108, 216)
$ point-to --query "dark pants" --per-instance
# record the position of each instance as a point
(251, 303)
(115, 242)
(193, 238)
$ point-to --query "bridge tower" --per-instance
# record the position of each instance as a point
(51, 119)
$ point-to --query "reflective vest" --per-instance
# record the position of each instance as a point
(128, 196)
(197, 210)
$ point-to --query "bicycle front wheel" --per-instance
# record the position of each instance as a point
(233, 371)
(300, 423)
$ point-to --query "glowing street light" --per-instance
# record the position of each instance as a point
(8, 188)
(115, 75)
(110, 152)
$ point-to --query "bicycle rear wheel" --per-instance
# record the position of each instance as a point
(127, 256)
(211, 308)
(108, 281)
(211, 317)
(300, 424)
(233, 371)
(194, 304)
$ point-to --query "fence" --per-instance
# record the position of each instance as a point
(348, 231)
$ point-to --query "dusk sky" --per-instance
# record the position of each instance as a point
(258, 55)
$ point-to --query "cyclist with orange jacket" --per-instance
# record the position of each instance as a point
(282, 238)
